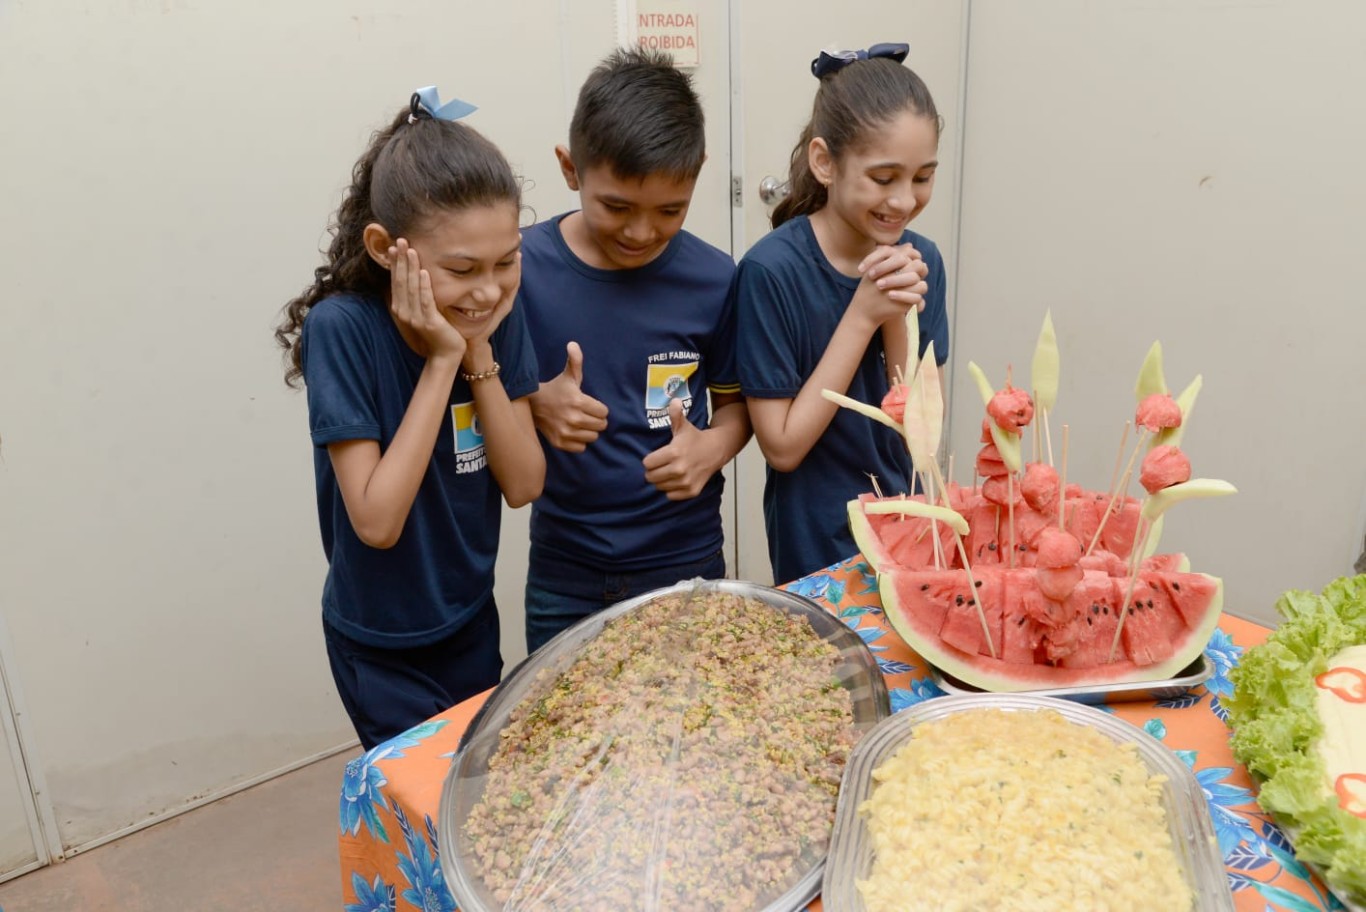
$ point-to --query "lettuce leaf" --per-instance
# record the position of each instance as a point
(1275, 723)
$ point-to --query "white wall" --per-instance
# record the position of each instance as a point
(1189, 171)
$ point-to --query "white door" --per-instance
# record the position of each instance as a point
(772, 46)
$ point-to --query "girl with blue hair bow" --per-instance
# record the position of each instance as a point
(417, 370)
(822, 300)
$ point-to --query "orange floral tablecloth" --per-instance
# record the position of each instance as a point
(390, 795)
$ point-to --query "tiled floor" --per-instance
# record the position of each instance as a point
(270, 848)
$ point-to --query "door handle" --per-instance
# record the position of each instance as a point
(772, 190)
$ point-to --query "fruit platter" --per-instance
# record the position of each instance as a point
(1298, 713)
(1024, 580)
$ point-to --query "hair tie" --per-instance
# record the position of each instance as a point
(426, 102)
(832, 62)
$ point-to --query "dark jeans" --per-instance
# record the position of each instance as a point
(388, 691)
(559, 593)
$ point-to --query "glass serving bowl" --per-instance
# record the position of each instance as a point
(850, 858)
(855, 670)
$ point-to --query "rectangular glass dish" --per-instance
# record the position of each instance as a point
(851, 856)
(672, 802)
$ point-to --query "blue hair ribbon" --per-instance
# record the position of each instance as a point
(427, 101)
(832, 62)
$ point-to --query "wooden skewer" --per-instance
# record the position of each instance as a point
(1048, 437)
(1062, 480)
(1109, 511)
(1123, 486)
(927, 483)
(950, 478)
(1124, 606)
(1119, 458)
(1010, 506)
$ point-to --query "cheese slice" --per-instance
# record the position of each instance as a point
(1341, 695)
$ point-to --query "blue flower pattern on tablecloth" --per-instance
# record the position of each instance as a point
(1224, 655)
(378, 897)
(427, 887)
(361, 797)
(919, 691)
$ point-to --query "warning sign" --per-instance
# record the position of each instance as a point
(671, 28)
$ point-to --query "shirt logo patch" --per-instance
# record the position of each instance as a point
(667, 380)
(469, 439)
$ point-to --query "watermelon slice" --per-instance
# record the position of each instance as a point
(1048, 644)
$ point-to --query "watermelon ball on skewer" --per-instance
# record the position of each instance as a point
(1058, 562)
(894, 403)
(1163, 467)
(1157, 412)
(1040, 486)
(989, 462)
(1011, 409)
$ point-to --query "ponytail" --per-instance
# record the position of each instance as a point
(413, 168)
(805, 194)
(850, 103)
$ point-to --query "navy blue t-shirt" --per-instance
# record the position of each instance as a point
(361, 376)
(663, 330)
(788, 301)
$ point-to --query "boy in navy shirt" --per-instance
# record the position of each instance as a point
(636, 310)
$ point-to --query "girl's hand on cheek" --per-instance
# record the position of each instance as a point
(413, 305)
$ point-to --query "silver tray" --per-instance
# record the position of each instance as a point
(851, 853)
(857, 672)
(1197, 672)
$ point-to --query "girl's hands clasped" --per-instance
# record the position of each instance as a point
(893, 282)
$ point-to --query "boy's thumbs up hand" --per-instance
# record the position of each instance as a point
(573, 365)
(677, 420)
(564, 414)
(681, 468)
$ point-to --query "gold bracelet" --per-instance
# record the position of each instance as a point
(482, 375)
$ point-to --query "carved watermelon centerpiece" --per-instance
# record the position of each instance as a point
(1023, 581)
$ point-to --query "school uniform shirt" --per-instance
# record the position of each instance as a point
(788, 300)
(662, 331)
(360, 377)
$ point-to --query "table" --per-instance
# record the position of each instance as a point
(390, 795)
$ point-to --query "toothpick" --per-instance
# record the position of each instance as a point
(1124, 606)
(1062, 480)
(950, 474)
(1048, 437)
(1109, 511)
(877, 490)
(972, 584)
